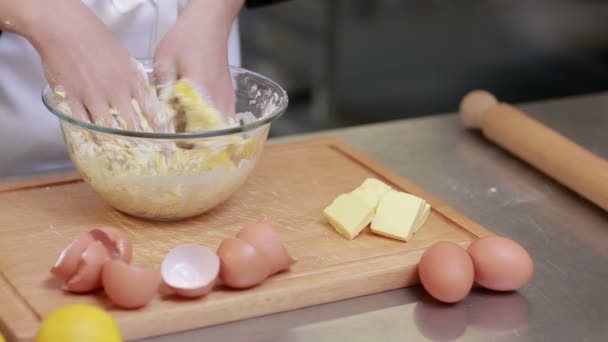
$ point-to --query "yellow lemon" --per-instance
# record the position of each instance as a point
(2, 338)
(79, 322)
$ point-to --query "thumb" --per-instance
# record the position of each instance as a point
(165, 74)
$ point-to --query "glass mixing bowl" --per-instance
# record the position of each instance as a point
(163, 176)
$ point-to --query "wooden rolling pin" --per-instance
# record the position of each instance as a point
(540, 146)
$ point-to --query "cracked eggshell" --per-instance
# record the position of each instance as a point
(191, 270)
(116, 241)
(129, 286)
(67, 263)
(88, 275)
(265, 239)
(241, 264)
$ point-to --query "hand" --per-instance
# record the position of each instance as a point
(82, 58)
(196, 48)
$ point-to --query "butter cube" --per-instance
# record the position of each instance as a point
(425, 215)
(372, 190)
(350, 213)
(375, 186)
(391, 213)
(397, 214)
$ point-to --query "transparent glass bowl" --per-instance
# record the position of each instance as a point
(162, 176)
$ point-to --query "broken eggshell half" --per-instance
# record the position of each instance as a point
(69, 259)
(265, 239)
(242, 266)
(190, 270)
(88, 275)
(129, 286)
(116, 242)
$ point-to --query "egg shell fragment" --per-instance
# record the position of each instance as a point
(501, 264)
(265, 239)
(129, 286)
(446, 272)
(190, 270)
(69, 259)
(241, 265)
(88, 276)
(116, 242)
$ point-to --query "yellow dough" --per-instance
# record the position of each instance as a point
(198, 114)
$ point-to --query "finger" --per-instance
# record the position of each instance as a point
(226, 97)
(220, 95)
(228, 106)
(224, 92)
(99, 111)
(126, 111)
(165, 73)
(215, 85)
(78, 110)
(141, 71)
(149, 110)
(141, 108)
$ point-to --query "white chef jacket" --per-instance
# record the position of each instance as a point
(30, 136)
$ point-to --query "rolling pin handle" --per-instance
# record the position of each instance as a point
(474, 106)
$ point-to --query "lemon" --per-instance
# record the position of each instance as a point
(2, 338)
(78, 322)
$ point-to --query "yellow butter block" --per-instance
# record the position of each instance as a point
(350, 213)
(372, 190)
(367, 195)
(425, 215)
(392, 213)
(397, 214)
(376, 186)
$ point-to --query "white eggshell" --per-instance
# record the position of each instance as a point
(191, 270)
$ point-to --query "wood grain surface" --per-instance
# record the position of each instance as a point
(290, 186)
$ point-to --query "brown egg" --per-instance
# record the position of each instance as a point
(88, 275)
(446, 272)
(116, 242)
(190, 270)
(129, 286)
(67, 263)
(241, 265)
(264, 238)
(500, 264)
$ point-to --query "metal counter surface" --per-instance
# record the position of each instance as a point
(567, 237)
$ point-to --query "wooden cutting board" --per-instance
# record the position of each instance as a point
(290, 186)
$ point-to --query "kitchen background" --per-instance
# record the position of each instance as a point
(349, 62)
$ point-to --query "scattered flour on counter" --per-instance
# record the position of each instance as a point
(509, 195)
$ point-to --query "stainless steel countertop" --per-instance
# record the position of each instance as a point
(567, 237)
